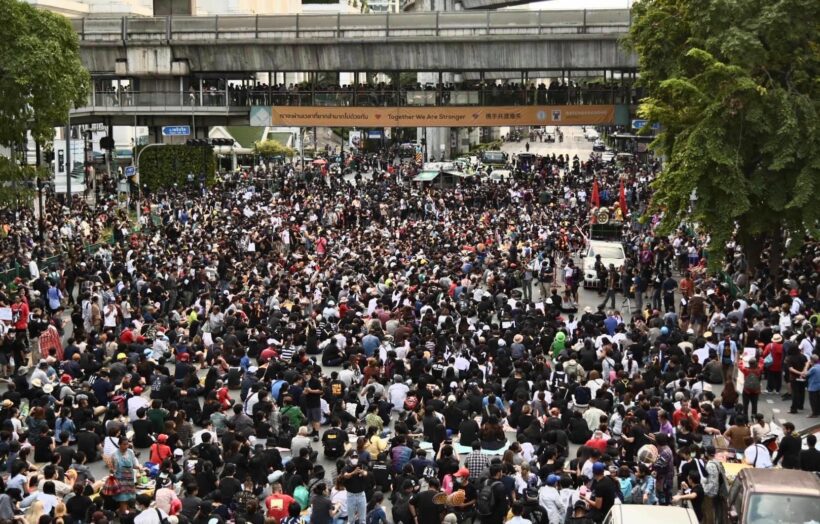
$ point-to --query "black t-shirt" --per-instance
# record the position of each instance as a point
(66, 454)
(142, 433)
(42, 448)
(77, 506)
(87, 442)
(356, 483)
(334, 442)
(605, 489)
(797, 361)
(313, 400)
(468, 430)
(697, 502)
(320, 513)
(426, 510)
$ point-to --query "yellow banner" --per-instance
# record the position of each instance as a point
(301, 116)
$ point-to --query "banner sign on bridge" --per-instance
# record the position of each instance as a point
(484, 116)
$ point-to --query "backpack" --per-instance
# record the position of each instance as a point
(752, 384)
(485, 503)
(411, 402)
(635, 495)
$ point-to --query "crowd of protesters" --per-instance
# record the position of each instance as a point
(426, 344)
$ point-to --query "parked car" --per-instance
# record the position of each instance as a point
(500, 175)
(644, 514)
(599, 146)
(611, 253)
(591, 134)
(764, 496)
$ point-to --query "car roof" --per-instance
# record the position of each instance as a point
(605, 243)
(781, 481)
(640, 514)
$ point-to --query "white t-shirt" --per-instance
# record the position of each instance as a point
(758, 456)
(150, 516)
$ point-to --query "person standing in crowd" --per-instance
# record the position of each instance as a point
(214, 334)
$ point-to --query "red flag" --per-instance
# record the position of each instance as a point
(622, 199)
(596, 198)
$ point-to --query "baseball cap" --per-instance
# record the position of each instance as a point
(598, 468)
(121, 356)
(462, 472)
(553, 480)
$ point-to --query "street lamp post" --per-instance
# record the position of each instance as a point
(40, 207)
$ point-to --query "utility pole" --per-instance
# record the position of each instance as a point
(68, 160)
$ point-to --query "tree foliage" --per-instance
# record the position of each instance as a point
(272, 148)
(41, 75)
(734, 85)
(163, 167)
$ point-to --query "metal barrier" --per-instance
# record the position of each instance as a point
(46, 264)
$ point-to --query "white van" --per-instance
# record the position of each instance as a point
(644, 514)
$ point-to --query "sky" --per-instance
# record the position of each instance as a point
(579, 4)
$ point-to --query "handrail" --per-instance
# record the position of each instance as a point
(364, 96)
(298, 26)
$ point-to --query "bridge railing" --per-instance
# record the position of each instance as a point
(487, 96)
(350, 26)
(113, 99)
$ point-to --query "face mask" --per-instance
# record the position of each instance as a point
(353, 462)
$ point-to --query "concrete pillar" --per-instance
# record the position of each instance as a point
(437, 136)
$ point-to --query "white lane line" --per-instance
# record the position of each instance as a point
(783, 421)
(775, 410)
(770, 401)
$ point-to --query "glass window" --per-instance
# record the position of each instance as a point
(781, 509)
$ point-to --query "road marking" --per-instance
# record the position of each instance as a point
(783, 421)
(775, 410)
(770, 401)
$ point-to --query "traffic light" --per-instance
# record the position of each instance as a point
(197, 142)
(222, 142)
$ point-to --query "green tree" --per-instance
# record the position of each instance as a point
(41, 77)
(169, 165)
(272, 148)
(734, 85)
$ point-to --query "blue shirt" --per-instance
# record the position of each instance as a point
(611, 323)
(813, 378)
(370, 343)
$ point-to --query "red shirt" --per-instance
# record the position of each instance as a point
(776, 351)
(21, 312)
(599, 444)
(127, 336)
(679, 415)
(267, 354)
(278, 505)
(159, 452)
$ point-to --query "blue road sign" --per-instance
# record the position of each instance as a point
(176, 130)
(130, 170)
(639, 124)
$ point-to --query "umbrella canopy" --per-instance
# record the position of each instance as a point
(320, 162)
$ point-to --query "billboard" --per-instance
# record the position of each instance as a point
(486, 116)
